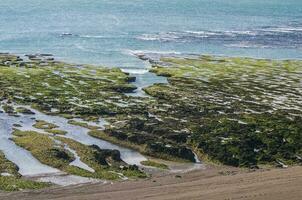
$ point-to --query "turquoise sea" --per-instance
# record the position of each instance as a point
(108, 32)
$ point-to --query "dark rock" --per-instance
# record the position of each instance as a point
(131, 79)
(101, 155)
(61, 154)
(174, 151)
(177, 137)
(136, 123)
(133, 167)
(142, 57)
(25, 111)
(45, 54)
(117, 134)
(17, 125)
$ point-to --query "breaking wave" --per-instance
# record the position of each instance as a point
(262, 37)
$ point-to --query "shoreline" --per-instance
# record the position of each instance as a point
(213, 183)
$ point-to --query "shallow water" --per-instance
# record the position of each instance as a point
(77, 162)
(80, 134)
(28, 165)
(76, 133)
(31, 167)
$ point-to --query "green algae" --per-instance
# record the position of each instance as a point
(110, 161)
(45, 149)
(8, 109)
(10, 184)
(154, 164)
(237, 111)
(82, 124)
(51, 151)
(71, 89)
(8, 167)
(40, 124)
(49, 127)
(56, 132)
(24, 111)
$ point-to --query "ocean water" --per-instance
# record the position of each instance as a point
(108, 32)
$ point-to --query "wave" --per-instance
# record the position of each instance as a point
(169, 36)
(284, 29)
(248, 45)
(144, 52)
(263, 37)
(92, 36)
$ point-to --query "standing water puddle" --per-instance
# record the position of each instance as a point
(80, 134)
(29, 166)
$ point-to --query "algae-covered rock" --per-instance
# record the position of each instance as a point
(60, 154)
(237, 111)
(103, 155)
(24, 111)
(169, 150)
(70, 89)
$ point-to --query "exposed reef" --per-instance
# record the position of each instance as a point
(236, 111)
(71, 91)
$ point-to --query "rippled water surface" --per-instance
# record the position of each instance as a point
(108, 32)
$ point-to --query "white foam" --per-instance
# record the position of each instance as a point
(247, 45)
(203, 33)
(93, 36)
(138, 52)
(135, 71)
(164, 37)
(283, 29)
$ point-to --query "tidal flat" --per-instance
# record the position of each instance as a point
(242, 112)
(237, 111)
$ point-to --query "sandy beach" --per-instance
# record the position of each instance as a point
(211, 183)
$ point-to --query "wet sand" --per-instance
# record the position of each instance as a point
(211, 183)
